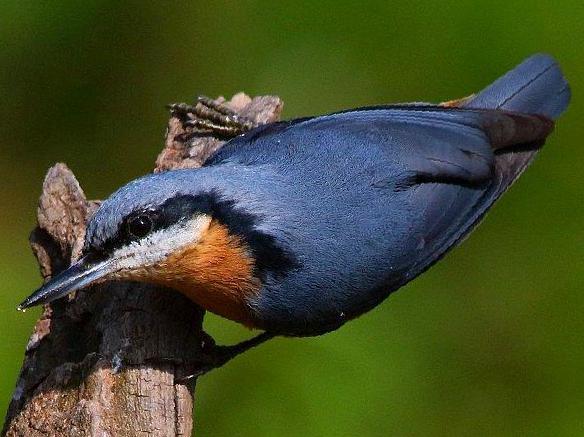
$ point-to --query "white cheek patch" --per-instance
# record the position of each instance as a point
(157, 246)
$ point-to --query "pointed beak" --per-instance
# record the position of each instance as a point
(81, 274)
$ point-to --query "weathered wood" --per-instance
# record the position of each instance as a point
(111, 360)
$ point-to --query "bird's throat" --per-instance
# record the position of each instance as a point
(216, 273)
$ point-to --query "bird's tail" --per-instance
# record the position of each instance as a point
(536, 86)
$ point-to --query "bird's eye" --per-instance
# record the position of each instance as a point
(140, 226)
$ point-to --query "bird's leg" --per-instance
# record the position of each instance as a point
(216, 355)
(223, 354)
(207, 114)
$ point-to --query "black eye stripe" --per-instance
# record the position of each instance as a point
(169, 213)
(268, 254)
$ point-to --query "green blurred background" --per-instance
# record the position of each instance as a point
(489, 342)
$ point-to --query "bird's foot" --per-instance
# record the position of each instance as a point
(209, 115)
(215, 356)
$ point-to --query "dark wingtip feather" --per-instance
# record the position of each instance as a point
(536, 86)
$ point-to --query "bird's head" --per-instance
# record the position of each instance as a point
(152, 230)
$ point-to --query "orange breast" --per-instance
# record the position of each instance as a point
(216, 273)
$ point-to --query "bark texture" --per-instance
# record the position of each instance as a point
(111, 360)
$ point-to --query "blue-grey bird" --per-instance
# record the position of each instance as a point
(296, 227)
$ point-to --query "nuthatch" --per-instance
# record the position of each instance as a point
(298, 226)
